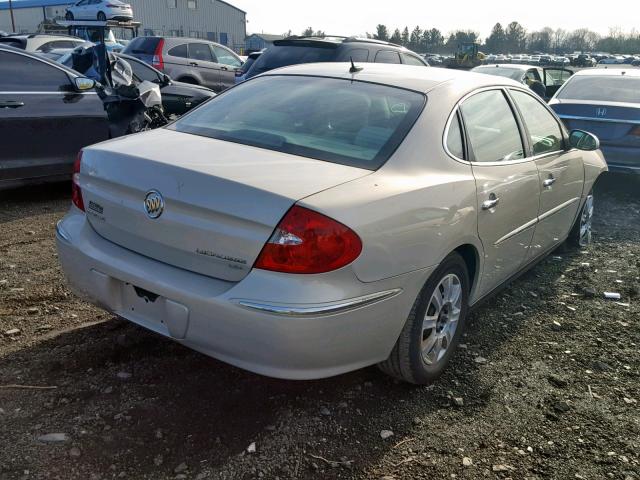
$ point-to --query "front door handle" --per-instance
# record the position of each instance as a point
(492, 202)
(193, 64)
(224, 68)
(549, 181)
(11, 104)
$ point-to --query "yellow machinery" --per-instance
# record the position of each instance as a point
(467, 56)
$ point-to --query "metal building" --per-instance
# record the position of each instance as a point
(215, 20)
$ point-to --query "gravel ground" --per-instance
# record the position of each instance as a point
(546, 384)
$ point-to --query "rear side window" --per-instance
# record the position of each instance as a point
(284, 55)
(179, 51)
(411, 60)
(142, 45)
(200, 51)
(342, 121)
(26, 74)
(387, 56)
(602, 89)
(491, 128)
(454, 138)
(544, 132)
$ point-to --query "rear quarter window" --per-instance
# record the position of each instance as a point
(180, 51)
(142, 45)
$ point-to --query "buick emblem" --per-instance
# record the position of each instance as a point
(601, 112)
(153, 204)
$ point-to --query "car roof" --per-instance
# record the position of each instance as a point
(334, 39)
(609, 72)
(513, 66)
(39, 58)
(421, 79)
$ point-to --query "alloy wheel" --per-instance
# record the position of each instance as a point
(586, 217)
(441, 319)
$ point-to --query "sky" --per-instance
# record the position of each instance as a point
(349, 17)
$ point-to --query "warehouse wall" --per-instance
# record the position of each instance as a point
(211, 19)
(27, 19)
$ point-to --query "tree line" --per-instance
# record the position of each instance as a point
(511, 38)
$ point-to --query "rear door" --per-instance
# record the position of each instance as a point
(561, 172)
(46, 120)
(228, 63)
(201, 58)
(507, 184)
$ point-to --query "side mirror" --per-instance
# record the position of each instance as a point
(83, 84)
(583, 140)
(166, 79)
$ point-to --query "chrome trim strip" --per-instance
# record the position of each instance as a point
(598, 119)
(323, 309)
(62, 233)
(557, 208)
(515, 232)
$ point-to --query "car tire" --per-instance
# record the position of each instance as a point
(102, 17)
(432, 330)
(580, 234)
(68, 16)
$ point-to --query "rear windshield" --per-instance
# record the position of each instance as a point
(282, 56)
(601, 88)
(340, 121)
(511, 73)
(142, 45)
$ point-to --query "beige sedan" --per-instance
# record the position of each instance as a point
(325, 217)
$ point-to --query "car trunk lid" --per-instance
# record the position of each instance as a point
(222, 200)
(610, 123)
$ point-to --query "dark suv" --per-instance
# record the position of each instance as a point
(188, 60)
(295, 50)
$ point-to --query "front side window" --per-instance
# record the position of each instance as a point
(225, 57)
(491, 128)
(544, 132)
(340, 121)
(25, 74)
(411, 60)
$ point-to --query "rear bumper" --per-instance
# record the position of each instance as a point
(622, 159)
(285, 326)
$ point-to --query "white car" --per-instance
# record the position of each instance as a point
(102, 10)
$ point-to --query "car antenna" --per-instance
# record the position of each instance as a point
(353, 68)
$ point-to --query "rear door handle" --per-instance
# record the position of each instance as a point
(549, 181)
(224, 68)
(492, 202)
(11, 104)
(193, 64)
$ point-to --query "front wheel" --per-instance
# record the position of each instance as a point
(433, 328)
(580, 235)
(102, 17)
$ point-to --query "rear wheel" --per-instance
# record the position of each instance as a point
(580, 235)
(68, 16)
(432, 331)
(102, 17)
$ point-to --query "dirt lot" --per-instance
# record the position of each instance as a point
(545, 386)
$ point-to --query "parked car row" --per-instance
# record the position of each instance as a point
(545, 81)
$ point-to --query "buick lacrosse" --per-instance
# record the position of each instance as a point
(321, 218)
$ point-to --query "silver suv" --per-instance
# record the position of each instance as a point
(189, 60)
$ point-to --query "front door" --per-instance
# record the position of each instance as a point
(507, 185)
(554, 78)
(45, 121)
(228, 64)
(561, 172)
(201, 58)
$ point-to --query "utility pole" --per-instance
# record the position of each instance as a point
(13, 22)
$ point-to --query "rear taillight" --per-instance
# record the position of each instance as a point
(158, 61)
(308, 242)
(76, 192)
